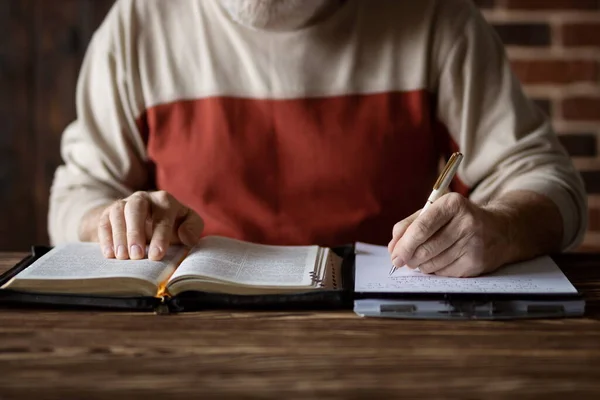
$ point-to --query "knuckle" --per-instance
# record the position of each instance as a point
(420, 229)
(424, 252)
(117, 209)
(135, 211)
(118, 205)
(106, 212)
(470, 221)
(468, 224)
(398, 227)
(165, 224)
(162, 196)
(437, 263)
(132, 207)
(139, 195)
(160, 238)
(455, 201)
(135, 232)
(104, 224)
(137, 199)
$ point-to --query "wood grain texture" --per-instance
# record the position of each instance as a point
(91, 355)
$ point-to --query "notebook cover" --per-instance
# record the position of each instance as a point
(472, 307)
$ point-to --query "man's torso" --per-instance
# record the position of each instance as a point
(325, 135)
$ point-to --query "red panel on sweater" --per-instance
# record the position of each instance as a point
(304, 171)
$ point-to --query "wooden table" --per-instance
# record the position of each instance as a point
(89, 355)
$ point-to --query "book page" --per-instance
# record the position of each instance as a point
(249, 264)
(77, 261)
(538, 276)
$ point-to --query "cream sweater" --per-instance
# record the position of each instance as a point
(328, 134)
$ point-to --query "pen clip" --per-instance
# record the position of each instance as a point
(455, 158)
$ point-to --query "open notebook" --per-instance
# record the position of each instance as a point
(526, 289)
(215, 265)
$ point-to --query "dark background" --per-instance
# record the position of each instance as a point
(556, 45)
(42, 44)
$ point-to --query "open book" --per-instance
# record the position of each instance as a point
(216, 265)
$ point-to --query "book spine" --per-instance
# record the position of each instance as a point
(163, 307)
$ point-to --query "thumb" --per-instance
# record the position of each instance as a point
(190, 229)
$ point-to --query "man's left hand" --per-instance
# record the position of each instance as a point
(454, 237)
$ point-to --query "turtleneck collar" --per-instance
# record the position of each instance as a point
(280, 15)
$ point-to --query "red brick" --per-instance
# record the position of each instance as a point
(581, 34)
(591, 179)
(485, 3)
(553, 4)
(545, 105)
(586, 248)
(580, 144)
(524, 33)
(594, 219)
(581, 109)
(556, 71)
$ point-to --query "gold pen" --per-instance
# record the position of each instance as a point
(441, 185)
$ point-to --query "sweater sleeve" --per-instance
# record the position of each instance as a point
(508, 143)
(102, 151)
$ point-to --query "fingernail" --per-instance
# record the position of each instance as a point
(107, 251)
(121, 253)
(135, 252)
(397, 262)
(154, 252)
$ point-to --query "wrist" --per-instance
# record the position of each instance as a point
(531, 224)
(504, 223)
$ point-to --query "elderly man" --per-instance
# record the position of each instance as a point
(311, 122)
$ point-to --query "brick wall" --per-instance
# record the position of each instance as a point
(554, 46)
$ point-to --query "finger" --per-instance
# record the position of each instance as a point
(400, 228)
(105, 235)
(422, 228)
(444, 259)
(164, 213)
(119, 229)
(457, 269)
(136, 213)
(191, 228)
(442, 240)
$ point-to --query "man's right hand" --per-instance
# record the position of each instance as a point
(125, 227)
